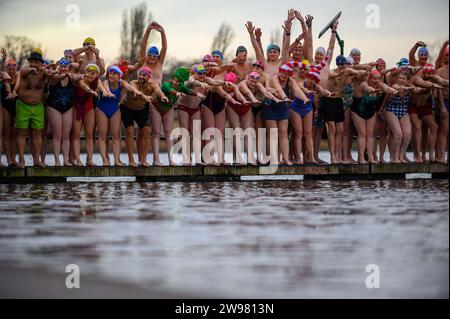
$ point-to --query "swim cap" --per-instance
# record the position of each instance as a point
(199, 69)
(240, 49)
(92, 67)
(182, 74)
(11, 62)
(423, 51)
(64, 62)
(429, 68)
(146, 71)
(355, 52)
(315, 74)
(373, 73)
(37, 50)
(259, 64)
(115, 69)
(230, 77)
(69, 52)
(89, 41)
(273, 47)
(321, 50)
(286, 69)
(46, 62)
(207, 58)
(218, 53)
(380, 61)
(350, 60)
(341, 60)
(254, 75)
(305, 65)
(403, 62)
(446, 51)
(153, 51)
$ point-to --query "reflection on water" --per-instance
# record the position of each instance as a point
(262, 239)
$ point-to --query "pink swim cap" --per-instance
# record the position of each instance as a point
(380, 61)
(146, 71)
(207, 58)
(373, 73)
(231, 77)
(254, 75)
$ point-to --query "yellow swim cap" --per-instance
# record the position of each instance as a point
(89, 41)
(37, 50)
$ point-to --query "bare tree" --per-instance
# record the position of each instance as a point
(223, 38)
(134, 21)
(19, 47)
(434, 49)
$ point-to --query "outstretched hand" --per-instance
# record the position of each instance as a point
(335, 25)
(250, 27)
(309, 20)
(291, 15)
(258, 33)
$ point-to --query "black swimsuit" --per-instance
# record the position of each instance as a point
(214, 102)
(61, 97)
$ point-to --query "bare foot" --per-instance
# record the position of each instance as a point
(403, 161)
(382, 161)
(12, 164)
(119, 163)
(441, 160)
(67, 163)
(90, 164)
(347, 162)
(157, 163)
(311, 161)
(362, 162)
(299, 162)
(105, 163)
(21, 164)
(395, 162)
(373, 161)
(418, 160)
(321, 161)
(58, 164)
(39, 164)
(133, 164)
(144, 164)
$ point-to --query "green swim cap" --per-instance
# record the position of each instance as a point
(182, 74)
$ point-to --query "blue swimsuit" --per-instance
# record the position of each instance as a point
(276, 111)
(302, 109)
(108, 105)
(399, 104)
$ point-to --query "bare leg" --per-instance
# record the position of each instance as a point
(9, 137)
(114, 127)
(383, 138)
(183, 119)
(143, 145)
(235, 122)
(417, 137)
(283, 140)
(443, 137)
(248, 122)
(360, 125)
(297, 124)
(89, 131)
(405, 122)
(219, 120)
(55, 119)
(338, 142)
(370, 132)
(307, 132)
(396, 137)
(36, 139)
(75, 143)
(430, 123)
(347, 138)
(168, 126)
(156, 134)
(129, 145)
(66, 128)
(102, 124)
(331, 126)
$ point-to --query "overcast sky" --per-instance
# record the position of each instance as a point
(191, 25)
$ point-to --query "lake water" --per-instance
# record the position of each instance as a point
(265, 239)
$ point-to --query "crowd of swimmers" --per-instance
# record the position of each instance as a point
(288, 88)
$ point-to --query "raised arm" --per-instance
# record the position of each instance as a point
(440, 59)
(309, 39)
(287, 36)
(332, 42)
(163, 53)
(258, 51)
(412, 53)
(258, 35)
(144, 40)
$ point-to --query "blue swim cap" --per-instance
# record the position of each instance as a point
(218, 53)
(423, 50)
(153, 51)
(64, 61)
(341, 60)
(273, 47)
(115, 69)
(403, 62)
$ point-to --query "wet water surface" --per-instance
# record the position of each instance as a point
(277, 239)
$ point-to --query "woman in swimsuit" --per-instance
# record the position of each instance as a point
(9, 113)
(83, 109)
(60, 113)
(366, 100)
(107, 113)
(397, 118)
(276, 114)
(301, 115)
